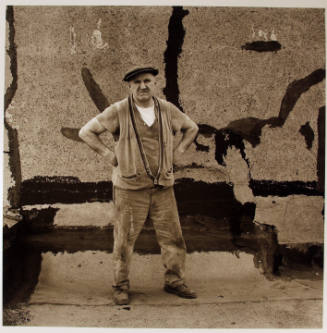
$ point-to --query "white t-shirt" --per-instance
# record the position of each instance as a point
(147, 114)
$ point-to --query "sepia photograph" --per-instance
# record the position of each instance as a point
(163, 165)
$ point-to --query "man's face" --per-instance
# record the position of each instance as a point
(143, 87)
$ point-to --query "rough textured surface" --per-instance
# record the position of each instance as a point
(220, 85)
(298, 219)
(292, 314)
(231, 293)
(94, 214)
(59, 43)
(255, 88)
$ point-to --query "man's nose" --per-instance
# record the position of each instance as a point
(142, 85)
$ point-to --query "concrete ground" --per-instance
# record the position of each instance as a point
(74, 290)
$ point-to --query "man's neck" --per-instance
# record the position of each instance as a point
(145, 104)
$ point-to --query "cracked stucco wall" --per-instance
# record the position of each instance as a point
(250, 105)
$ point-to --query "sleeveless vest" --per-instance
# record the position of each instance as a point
(130, 172)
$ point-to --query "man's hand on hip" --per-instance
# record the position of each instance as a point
(110, 156)
(178, 156)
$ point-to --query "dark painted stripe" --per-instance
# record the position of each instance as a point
(308, 133)
(94, 90)
(176, 33)
(21, 269)
(71, 133)
(14, 156)
(250, 128)
(321, 150)
(97, 96)
(193, 197)
(294, 91)
(50, 190)
(262, 46)
(264, 188)
(12, 52)
(227, 138)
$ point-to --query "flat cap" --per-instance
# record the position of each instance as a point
(139, 70)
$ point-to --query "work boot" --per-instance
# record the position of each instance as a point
(181, 290)
(120, 296)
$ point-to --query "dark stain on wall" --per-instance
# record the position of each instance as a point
(21, 269)
(12, 52)
(307, 254)
(227, 138)
(97, 96)
(14, 156)
(200, 196)
(321, 150)
(176, 33)
(242, 221)
(264, 188)
(262, 46)
(48, 190)
(211, 218)
(294, 90)
(71, 133)
(94, 90)
(250, 128)
(308, 133)
(39, 218)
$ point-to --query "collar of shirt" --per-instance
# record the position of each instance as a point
(147, 114)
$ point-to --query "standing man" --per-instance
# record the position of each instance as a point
(143, 127)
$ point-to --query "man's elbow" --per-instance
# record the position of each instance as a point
(195, 129)
(82, 133)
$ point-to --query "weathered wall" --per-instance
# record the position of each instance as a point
(252, 78)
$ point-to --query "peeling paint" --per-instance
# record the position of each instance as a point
(250, 128)
(264, 34)
(73, 49)
(96, 38)
(273, 36)
(238, 171)
(296, 218)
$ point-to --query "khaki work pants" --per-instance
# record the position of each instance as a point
(133, 207)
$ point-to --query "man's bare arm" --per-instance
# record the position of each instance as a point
(90, 132)
(189, 129)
